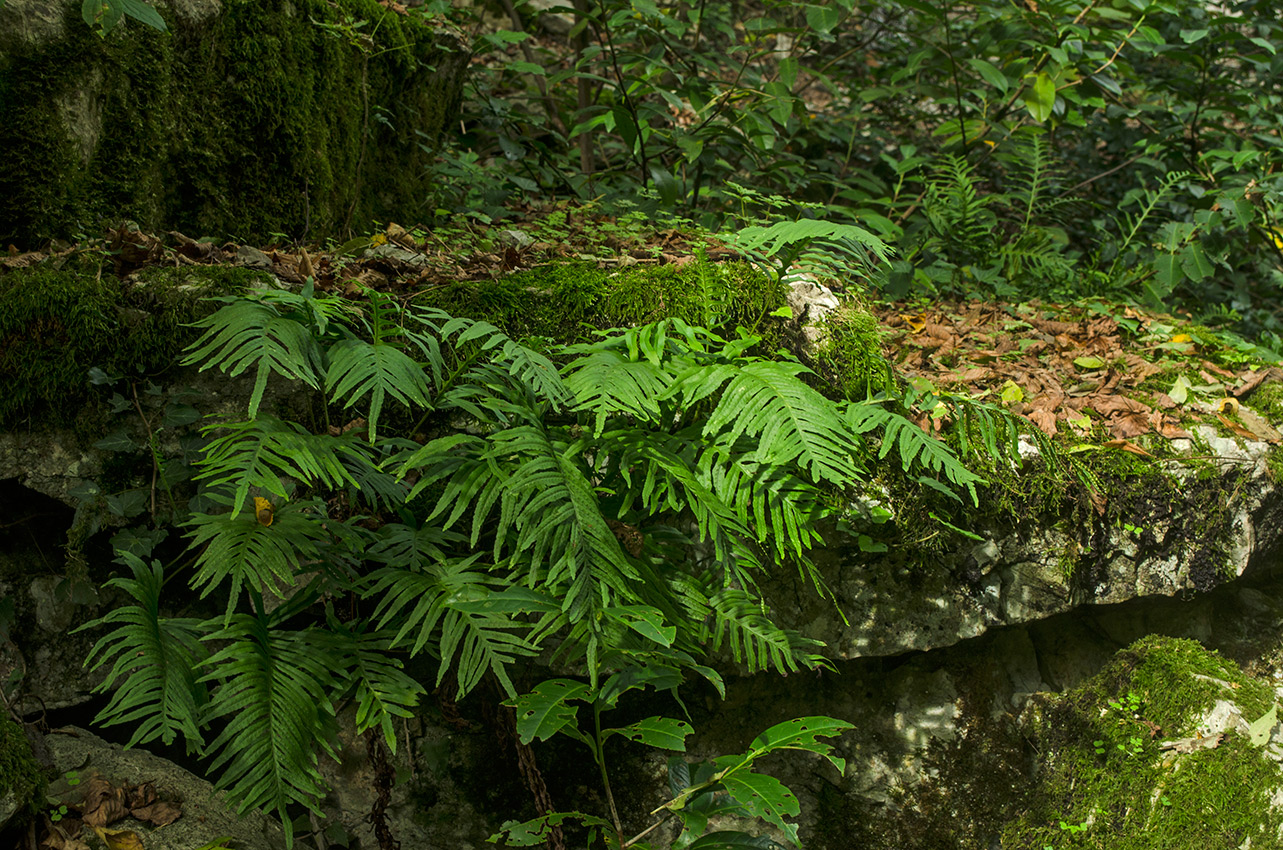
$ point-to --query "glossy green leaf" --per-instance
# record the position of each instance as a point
(546, 710)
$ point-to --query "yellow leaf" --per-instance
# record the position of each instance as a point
(1011, 392)
(263, 510)
(119, 839)
(1182, 338)
(1227, 405)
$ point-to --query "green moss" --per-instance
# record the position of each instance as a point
(57, 323)
(851, 353)
(1267, 399)
(255, 121)
(568, 301)
(20, 774)
(1103, 776)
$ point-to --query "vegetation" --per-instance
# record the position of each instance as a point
(600, 466)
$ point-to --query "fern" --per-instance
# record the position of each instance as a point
(252, 333)
(380, 686)
(832, 247)
(789, 421)
(915, 447)
(742, 625)
(152, 659)
(272, 691)
(460, 601)
(258, 453)
(249, 553)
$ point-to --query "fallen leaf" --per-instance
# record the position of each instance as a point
(1191, 745)
(1011, 392)
(103, 802)
(1180, 390)
(119, 839)
(1259, 425)
(1126, 446)
(1239, 430)
(1263, 727)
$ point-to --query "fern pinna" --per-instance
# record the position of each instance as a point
(620, 508)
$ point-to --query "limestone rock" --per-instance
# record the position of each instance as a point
(206, 816)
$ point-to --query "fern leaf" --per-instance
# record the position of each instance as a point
(606, 383)
(257, 453)
(244, 550)
(272, 693)
(741, 624)
(378, 370)
(791, 422)
(153, 661)
(915, 446)
(382, 689)
(458, 599)
(247, 333)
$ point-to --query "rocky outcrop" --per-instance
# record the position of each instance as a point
(244, 118)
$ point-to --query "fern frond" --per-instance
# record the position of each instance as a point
(257, 453)
(607, 382)
(790, 422)
(524, 364)
(827, 244)
(153, 661)
(382, 688)
(376, 369)
(272, 692)
(262, 557)
(741, 624)
(463, 603)
(248, 332)
(915, 446)
(560, 537)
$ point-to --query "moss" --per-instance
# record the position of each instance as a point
(57, 323)
(20, 774)
(566, 302)
(1267, 399)
(1104, 782)
(851, 353)
(253, 122)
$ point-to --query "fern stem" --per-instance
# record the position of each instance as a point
(599, 751)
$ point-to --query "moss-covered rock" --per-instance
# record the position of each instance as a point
(56, 323)
(21, 780)
(1157, 752)
(247, 118)
(566, 302)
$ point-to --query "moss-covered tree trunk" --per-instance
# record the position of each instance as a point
(247, 118)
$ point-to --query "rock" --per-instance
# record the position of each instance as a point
(252, 258)
(205, 817)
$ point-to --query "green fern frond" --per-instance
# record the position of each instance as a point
(741, 624)
(524, 364)
(381, 687)
(153, 661)
(789, 421)
(843, 248)
(257, 453)
(560, 537)
(262, 557)
(272, 691)
(376, 369)
(915, 446)
(460, 600)
(249, 332)
(606, 383)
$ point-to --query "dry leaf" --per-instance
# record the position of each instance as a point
(1192, 745)
(120, 839)
(1127, 447)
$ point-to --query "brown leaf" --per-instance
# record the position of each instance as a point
(158, 813)
(1126, 446)
(103, 802)
(1129, 425)
(1044, 419)
(1191, 745)
(1258, 425)
(1237, 429)
(1250, 381)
